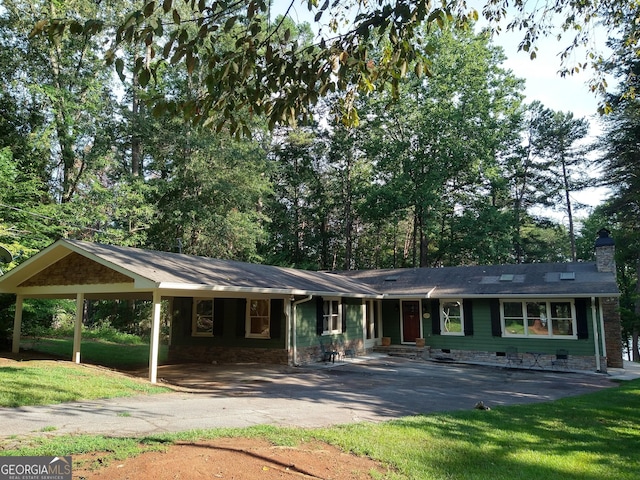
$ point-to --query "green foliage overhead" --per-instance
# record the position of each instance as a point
(246, 60)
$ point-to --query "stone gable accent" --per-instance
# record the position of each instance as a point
(75, 269)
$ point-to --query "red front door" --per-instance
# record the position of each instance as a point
(410, 320)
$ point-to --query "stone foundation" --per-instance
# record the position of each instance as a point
(573, 363)
(313, 354)
(222, 355)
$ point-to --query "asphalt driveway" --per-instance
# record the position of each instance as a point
(373, 389)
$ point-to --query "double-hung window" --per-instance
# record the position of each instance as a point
(331, 316)
(538, 318)
(258, 318)
(451, 317)
(202, 321)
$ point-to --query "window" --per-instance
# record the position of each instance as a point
(538, 318)
(258, 318)
(202, 322)
(451, 317)
(331, 319)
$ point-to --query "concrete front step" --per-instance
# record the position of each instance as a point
(406, 351)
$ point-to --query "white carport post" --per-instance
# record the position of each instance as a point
(154, 342)
(77, 327)
(17, 324)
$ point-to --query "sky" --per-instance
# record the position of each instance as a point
(567, 94)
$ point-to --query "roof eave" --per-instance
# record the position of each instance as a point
(392, 296)
(261, 290)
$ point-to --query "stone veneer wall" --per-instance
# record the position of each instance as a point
(314, 354)
(222, 355)
(605, 258)
(574, 362)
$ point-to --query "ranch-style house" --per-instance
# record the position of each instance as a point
(561, 315)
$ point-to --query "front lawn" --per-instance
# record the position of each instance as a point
(99, 351)
(47, 382)
(590, 437)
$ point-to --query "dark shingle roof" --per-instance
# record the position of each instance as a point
(544, 279)
(153, 269)
(181, 269)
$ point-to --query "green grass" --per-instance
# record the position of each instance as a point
(44, 383)
(591, 437)
(99, 351)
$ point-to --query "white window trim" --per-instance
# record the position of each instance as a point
(443, 329)
(574, 320)
(337, 300)
(248, 333)
(194, 318)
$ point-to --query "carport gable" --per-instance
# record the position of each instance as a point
(63, 270)
(76, 269)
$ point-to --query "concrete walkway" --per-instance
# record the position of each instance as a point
(374, 388)
(631, 371)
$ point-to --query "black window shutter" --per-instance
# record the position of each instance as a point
(241, 317)
(319, 316)
(218, 316)
(344, 317)
(467, 308)
(581, 318)
(435, 317)
(496, 327)
(277, 311)
(183, 314)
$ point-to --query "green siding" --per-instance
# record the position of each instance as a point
(483, 340)
(391, 320)
(353, 311)
(306, 332)
(306, 324)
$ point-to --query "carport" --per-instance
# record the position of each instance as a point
(64, 270)
(72, 269)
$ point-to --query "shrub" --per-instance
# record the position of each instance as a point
(7, 312)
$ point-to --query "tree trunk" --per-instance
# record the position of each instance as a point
(348, 218)
(635, 331)
(136, 144)
(572, 236)
(67, 156)
(136, 140)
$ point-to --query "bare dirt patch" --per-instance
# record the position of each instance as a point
(233, 458)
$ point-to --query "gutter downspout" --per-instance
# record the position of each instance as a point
(596, 339)
(293, 327)
(604, 342)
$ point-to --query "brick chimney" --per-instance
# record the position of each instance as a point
(605, 262)
(605, 252)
